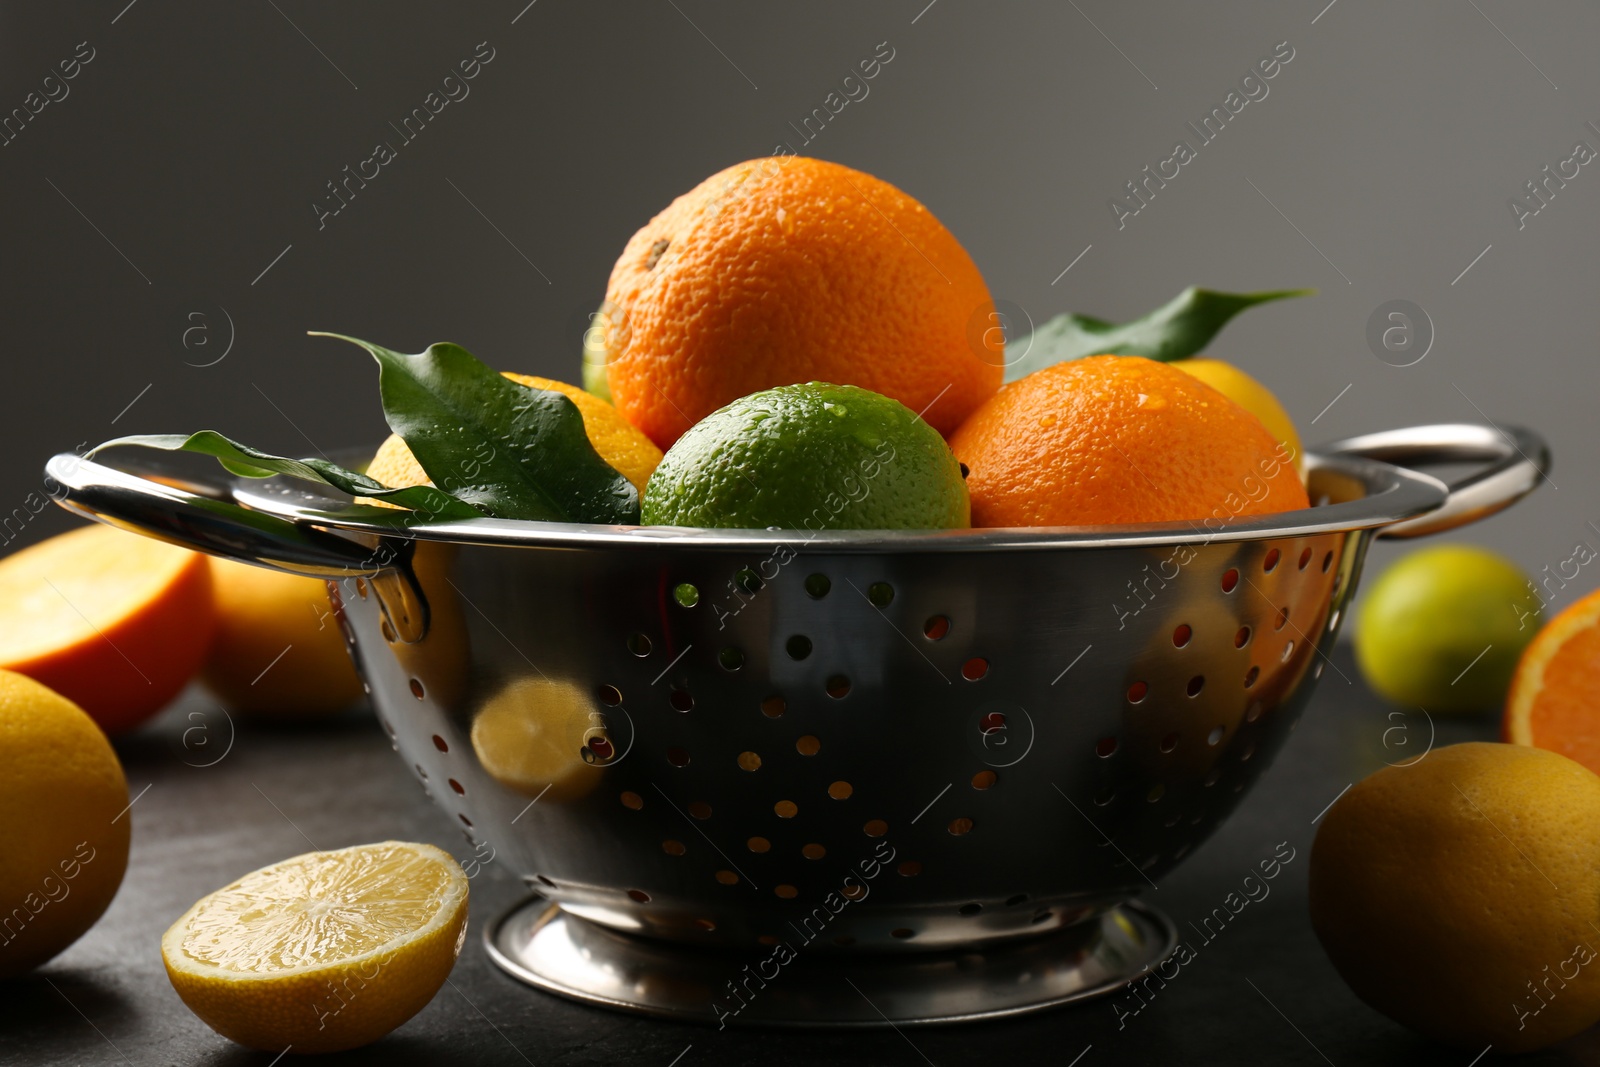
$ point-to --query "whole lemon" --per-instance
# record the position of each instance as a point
(1460, 895)
(1442, 629)
(1251, 395)
(616, 440)
(63, 823)
(277, 651)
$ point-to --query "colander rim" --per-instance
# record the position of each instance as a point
(1392, 494)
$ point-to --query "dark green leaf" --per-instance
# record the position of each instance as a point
(1177, 330)
(514, 452)
(423, 500)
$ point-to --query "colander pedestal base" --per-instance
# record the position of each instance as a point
(537, 943)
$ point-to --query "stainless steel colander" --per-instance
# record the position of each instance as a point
(737, 767)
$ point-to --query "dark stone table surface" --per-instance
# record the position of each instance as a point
(1261, 992)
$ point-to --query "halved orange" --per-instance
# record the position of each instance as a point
(115, 622)
(1555, 695)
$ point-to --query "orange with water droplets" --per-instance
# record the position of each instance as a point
(787, 270)
(1120, 439)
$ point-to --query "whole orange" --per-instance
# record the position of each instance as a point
(785, 270)
(1120, 439)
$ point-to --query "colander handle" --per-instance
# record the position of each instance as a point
(205, 517)
(1514, 460)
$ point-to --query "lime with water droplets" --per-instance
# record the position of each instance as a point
(813, 456)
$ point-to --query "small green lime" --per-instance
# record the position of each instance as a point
(814, 457)
(1442, 629)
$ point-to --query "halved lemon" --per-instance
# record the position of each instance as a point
(321, 952)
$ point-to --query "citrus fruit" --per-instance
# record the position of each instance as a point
(1120, 439)
(785, 270)
(324, 951)
(115, 622)
(278, 650)
(1554, 701)
(594, 357)
(532, 735)
(813, 456)
(1251, 395)
(1459, 895)
(632, 453)
(1440, 629)
(63, 823)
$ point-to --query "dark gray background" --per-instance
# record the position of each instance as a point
(200, 135)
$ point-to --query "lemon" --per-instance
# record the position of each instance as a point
(813, 456)
(277, 651)
(63, 823)
(595, 356)
(1460, 895)
(1251, 395)
(321, 952)
(616, 440)
(1442, 629)
(533, 734)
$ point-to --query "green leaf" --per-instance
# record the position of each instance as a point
(247, 462)
(1176, 330)
(512, 451)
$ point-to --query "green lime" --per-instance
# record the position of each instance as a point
(1443, 628)
(814, 457)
